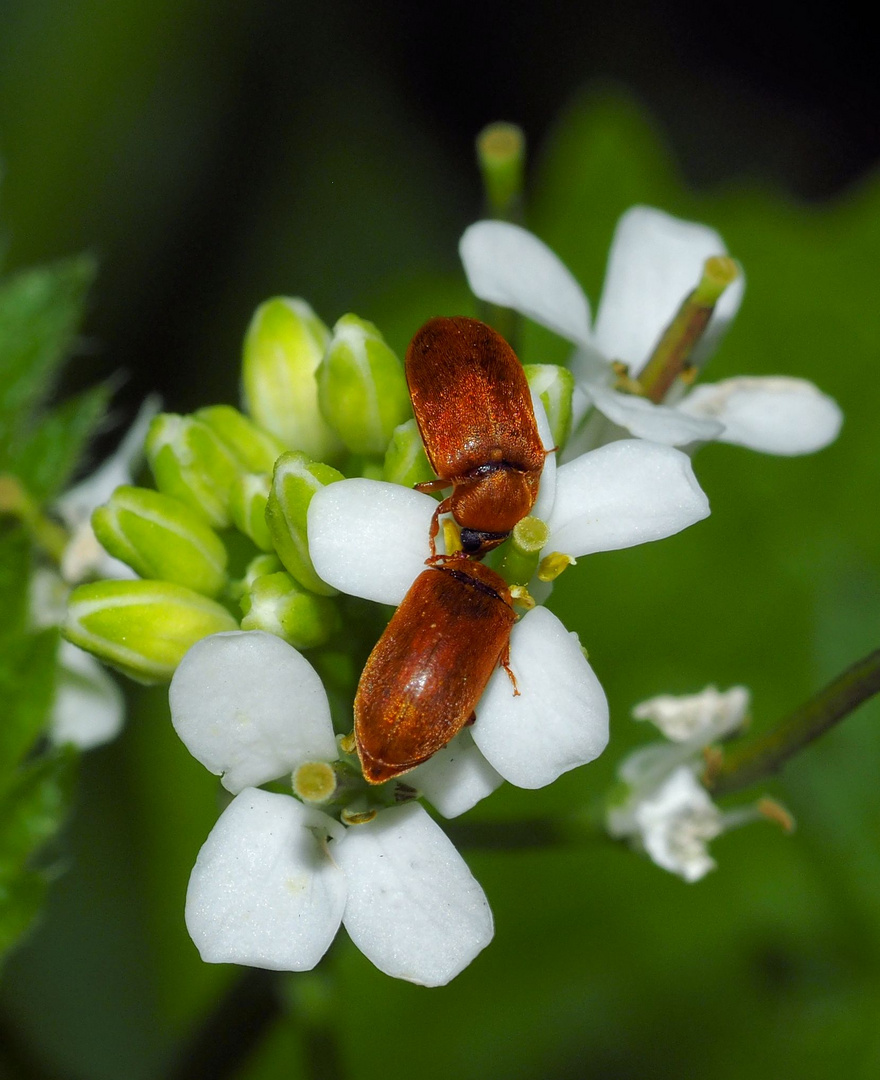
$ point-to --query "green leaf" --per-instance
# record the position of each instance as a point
(47, 458)
(27, 687)
(15, 569)
(40, 310)
(33, 806)
(21, 898)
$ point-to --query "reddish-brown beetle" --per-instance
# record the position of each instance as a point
(425, 676)
(472, 403)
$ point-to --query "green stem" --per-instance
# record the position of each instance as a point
(764, 754)
(549, 832)
(233, 1031)
(18, 503)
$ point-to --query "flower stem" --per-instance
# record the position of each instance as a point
(543, 832)
(764, 754)
(233, 1031)
(45, 533)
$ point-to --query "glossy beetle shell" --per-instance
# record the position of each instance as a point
(430, 667)
(474, 411)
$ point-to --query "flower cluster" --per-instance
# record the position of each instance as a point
(318, 481)
(665, 810)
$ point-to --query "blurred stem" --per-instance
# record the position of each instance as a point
(233, 1031)
(247, 1013)
(45, 533)
(584, 827)
(765, 754)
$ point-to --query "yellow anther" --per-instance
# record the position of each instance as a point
(519, 594)
(552, 565)
(451, 537)
(357, 817)
(775, 812)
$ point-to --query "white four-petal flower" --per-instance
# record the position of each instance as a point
(655, 261)
(370, 539)
(275, 879)
(667, 811)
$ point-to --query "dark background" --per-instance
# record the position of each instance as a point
(197, 147)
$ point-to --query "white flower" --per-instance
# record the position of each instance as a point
(275, 878)
(706, 716)
(88, 708)
(370, 539)
(667, 811)
(655, 262)
(84, 557)
(676, 823)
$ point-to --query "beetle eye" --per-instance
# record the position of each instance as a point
(471, 541)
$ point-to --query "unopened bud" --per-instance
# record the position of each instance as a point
(283, 347)
(361, 387)
(143, 628)
(247, 507)
(191, 463)
(281, 606)
(554, 385)
(160, 537)
(501, 155)
(406, 462)
(255, 449)
(295, 481)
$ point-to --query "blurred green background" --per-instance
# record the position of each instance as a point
(213, 155)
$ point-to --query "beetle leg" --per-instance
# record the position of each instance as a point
(432, 485)
(442, 508)
(505, 663)
(472, 719)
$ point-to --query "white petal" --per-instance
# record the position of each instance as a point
(560, 718)
(370, 539)
(251, 708)
(76, 505)
(84, 557)
(456, 777)
(625, 493)
(510, 266)
(676, 824)
(655, 261)
(263, 891)
(89, 707)
(658, 423)
(708, 715)
(414, 908)
(777, 415)
(547, 489)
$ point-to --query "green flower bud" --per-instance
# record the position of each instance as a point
(278, 604)
(161, 537)
(143, 628)
(257, 567)
(361, 387)
(191, 463)
(255, 449)
(405, 459)
(554, 385)
(247, 505)
(283, 347)
(295, 481)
